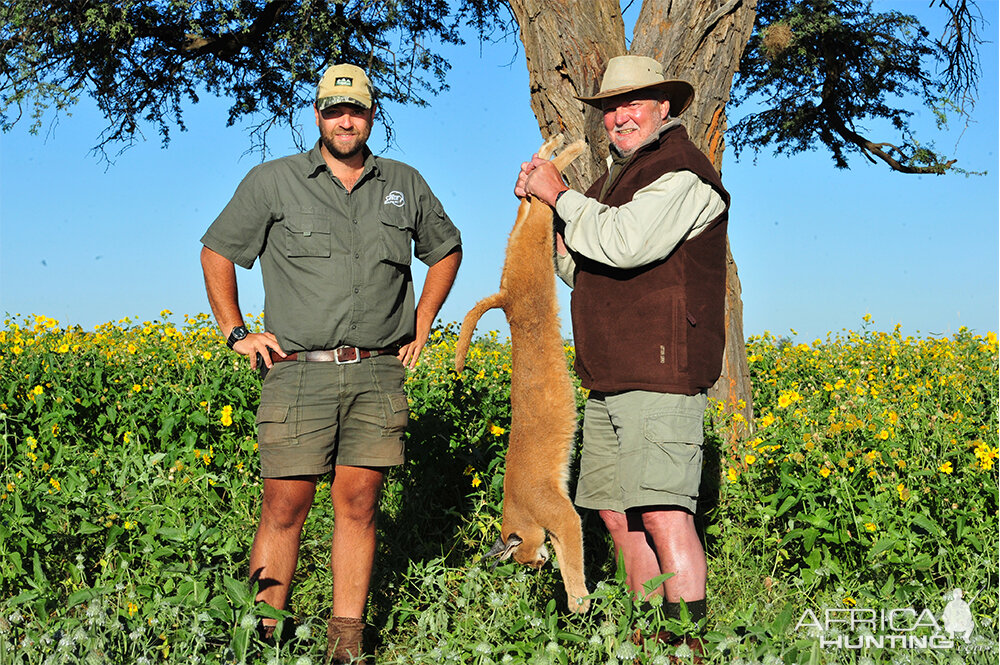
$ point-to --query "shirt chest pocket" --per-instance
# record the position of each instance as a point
(396, 236)
(307, 232)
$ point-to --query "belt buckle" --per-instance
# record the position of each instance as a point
(350, 361)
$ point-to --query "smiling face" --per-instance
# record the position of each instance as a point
(344, 129)
(631, 119)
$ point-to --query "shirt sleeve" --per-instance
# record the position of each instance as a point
(676, 206)
(566, 268)
(240, 231)
(436, 236)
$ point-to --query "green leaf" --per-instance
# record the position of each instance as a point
(927, 524)
(83, 595)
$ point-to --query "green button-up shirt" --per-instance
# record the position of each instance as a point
(336, 264)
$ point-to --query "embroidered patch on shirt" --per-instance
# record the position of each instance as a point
(394, 198)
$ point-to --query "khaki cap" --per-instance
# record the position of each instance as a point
(628, 73)
(344, 84)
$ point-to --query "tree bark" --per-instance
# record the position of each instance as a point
(567, 44)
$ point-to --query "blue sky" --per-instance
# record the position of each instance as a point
(817, 248)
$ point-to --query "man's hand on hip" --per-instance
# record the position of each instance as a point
(263, 343)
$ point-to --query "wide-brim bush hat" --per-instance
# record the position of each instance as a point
(628, 73)
(344, 84)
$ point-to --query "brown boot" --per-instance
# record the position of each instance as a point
(345, 640)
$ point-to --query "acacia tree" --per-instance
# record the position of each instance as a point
(820, 69)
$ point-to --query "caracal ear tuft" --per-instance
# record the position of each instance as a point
(502, 551)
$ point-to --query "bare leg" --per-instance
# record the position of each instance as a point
(275, 550)
(355, 492)
(679, 551)
(633, 546)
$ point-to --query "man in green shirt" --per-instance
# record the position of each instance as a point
(333, 229)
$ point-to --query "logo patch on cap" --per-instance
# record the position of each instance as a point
(344, 80)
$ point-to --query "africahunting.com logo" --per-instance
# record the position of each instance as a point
(896, 628)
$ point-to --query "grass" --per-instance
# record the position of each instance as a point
(130, 491)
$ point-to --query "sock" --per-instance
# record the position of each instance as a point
(696, 608)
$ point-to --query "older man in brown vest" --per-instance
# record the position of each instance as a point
(645, 252)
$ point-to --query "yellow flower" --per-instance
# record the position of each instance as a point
(132, 609)
(884, 434)
(767, 420)
(227, 416)
(870, 526)
(945, 468)
(904, 494)
(732, 475)
(750, 459)
(63, 348)
(986, 454)
(495, 430)
(55, 484)
(136, 387)
(849, 602)
(207, 355)
(476, 482)
(825, 472)
(38, 390)
(127, 437)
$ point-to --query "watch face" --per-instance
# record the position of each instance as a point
(239, 332)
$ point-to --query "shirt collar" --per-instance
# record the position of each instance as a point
(317, 163)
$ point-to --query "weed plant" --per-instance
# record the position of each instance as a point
(129, 493)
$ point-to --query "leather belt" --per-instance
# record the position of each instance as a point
(342, 355)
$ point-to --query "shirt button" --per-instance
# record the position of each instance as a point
(357, 290)
(354, 221)
(354, 327)
(357, 256)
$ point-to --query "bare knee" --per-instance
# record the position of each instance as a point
(667, 520)
(286, 504)
(615, 522)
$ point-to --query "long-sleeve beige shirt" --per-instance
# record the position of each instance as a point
(674, 207)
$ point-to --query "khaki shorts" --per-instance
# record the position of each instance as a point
(315, 415)
(641, 449)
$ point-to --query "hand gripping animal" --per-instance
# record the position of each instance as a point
(542, 403)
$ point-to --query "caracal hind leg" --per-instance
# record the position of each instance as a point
(550, 146)
(571, 152)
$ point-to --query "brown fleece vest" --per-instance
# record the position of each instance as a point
(659, 327)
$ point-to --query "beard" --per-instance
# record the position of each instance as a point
(344, 150)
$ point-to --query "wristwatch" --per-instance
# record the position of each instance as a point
(238, 333)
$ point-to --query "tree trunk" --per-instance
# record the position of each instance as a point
(567, 44)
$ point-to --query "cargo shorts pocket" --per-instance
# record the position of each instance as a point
(273, 427)
(397, 415)
(673, 454)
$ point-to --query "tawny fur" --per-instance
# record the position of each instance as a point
(542, 401)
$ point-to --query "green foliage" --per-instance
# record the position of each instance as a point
(144, 60)
(129, 494)
(824, 69)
